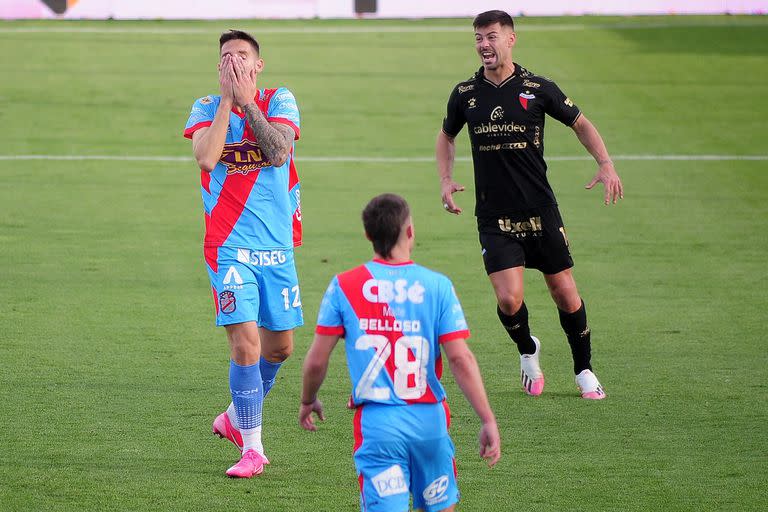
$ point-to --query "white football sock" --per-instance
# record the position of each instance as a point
(252, 439)
(232, 415)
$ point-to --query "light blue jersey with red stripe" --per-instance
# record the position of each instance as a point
(394, 318)
(248, 202)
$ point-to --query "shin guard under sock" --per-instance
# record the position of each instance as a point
(578, 334)
(518, 329)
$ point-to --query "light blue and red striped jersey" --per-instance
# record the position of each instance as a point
(393, 318)
(248, 202)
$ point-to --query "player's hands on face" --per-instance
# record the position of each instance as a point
(306, 420)
(225, 80)
(490, 443)
(448, 188)
(244, 82)
(606, 175)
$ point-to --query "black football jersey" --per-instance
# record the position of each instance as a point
(506, 130)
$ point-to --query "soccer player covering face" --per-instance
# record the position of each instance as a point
(504, 107)
(243, 142)
(395, 317)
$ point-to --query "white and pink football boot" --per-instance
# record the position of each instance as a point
(531, 375)
(589, 386)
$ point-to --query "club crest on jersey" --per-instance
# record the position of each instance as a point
(243, 157)
(525, 97)
(227, 303)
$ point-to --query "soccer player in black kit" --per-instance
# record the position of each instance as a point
(503, 106)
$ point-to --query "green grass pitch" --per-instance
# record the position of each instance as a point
(111, 370)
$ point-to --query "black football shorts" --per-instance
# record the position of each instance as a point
(533, 238)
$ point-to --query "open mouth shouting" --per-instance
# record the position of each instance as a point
(488, 57)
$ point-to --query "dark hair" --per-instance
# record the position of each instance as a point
(232, 34)
(383, 218)
(487, 18)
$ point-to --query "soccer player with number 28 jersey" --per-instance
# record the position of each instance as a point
(395, 317)
(243, 141)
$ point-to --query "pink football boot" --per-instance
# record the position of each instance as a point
(223, 428)
(251, 464)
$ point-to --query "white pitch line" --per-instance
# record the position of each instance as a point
(255, 30)
(385, 159)
(119, 158)
(395, 29)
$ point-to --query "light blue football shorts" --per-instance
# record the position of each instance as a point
(403, 450)
(255, 286)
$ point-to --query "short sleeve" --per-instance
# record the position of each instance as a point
(560, 106)
(454, 118)
(283, 109)
(452, 324)
(203, 112)
(329, 320)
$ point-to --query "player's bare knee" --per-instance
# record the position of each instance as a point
(245, 355)
(245, 346)
(244, 341)
(509, 303)
(279, 354)
(566, 298)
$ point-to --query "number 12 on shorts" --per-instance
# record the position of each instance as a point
(287, 298)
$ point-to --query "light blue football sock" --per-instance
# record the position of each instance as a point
(248, 397)
(268, 373)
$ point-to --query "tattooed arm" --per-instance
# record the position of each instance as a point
(275, 139)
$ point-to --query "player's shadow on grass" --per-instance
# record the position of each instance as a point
(556, 395)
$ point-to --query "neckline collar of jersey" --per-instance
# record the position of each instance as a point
(242, 114)
(515, 74)
(383, 262)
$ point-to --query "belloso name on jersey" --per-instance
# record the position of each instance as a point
(399, 291)
(389, 325)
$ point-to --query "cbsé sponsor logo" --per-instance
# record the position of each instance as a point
(399, 291)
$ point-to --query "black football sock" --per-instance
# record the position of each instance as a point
(518, 329)
(578, 334)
